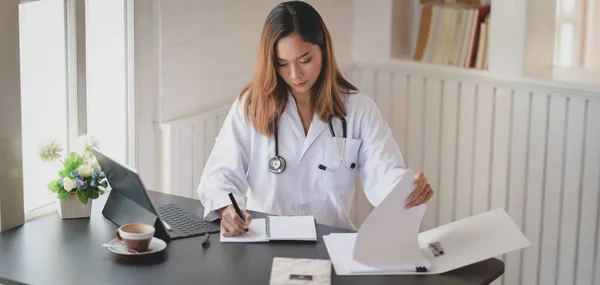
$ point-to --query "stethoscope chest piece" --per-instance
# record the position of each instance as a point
(277, 164)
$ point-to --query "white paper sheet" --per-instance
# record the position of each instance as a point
(474, 239)
(301, 228)
(463, 242)
(388, 238)
(293, 228)
(256, 233)
(343, 244)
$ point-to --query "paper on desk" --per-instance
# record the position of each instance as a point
(293, 228)
(473, 239)
(457, 244)
(256, 233)
(342, 245)
(388, 238)
(300, 228)
(300, 271)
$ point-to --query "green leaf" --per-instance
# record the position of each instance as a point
(71, 163)
(62, 194)
(68, 162)
(73, 155)
(82, 197)
(69, 167)
(77, 159)
(55, 186)
(94, 193)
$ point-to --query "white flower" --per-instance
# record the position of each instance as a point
(93, 163)
(85, 171)
(84, 145)
(50, 151)
(68, 184)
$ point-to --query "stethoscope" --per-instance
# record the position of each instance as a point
(277, 163)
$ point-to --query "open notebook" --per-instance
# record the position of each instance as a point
(301, 228)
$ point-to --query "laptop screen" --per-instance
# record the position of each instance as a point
(124, 180)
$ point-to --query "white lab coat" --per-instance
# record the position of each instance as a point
(239, 163)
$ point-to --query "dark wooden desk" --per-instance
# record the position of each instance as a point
(49, 250)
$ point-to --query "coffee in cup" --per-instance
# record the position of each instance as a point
(136, 236)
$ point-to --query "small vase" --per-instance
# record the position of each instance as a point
(72, 208)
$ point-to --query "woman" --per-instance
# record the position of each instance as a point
(277, 143)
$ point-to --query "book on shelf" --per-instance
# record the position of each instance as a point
(453, 34)
(481, 2)
(482, 45)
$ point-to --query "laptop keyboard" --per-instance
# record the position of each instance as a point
(183, 222)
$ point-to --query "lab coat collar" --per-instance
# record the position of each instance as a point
(291, 113)
(316, 128)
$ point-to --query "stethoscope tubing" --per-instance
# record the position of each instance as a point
(277, 164)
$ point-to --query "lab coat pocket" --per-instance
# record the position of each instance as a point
(343, 178)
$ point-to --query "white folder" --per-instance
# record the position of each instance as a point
(389, 242)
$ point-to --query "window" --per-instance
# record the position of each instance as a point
(50, 66)
(43, 92)
(106, 62)
(577, 34)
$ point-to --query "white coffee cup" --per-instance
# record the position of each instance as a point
(136, 236)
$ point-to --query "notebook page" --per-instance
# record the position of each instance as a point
(293, 228)
(256, 233)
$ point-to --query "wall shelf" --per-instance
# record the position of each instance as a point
(450, 33)
(521, 41)
(476, 76)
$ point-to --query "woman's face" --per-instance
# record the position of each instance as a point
(298, 62)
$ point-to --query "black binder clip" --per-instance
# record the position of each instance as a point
(436, 249)
(421, 269)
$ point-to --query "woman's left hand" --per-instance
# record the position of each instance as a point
(422, 193)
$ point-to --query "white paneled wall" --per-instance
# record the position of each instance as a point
(184, 149)
(486, 143)
(525, 146)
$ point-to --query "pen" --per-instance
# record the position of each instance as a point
(237, 209)
(205, 243)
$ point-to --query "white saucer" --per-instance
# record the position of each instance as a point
(156, 245)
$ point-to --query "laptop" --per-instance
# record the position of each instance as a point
(128, 202)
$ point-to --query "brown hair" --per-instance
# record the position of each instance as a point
(266, 94)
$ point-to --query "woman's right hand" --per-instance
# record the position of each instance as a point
(231, 223)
